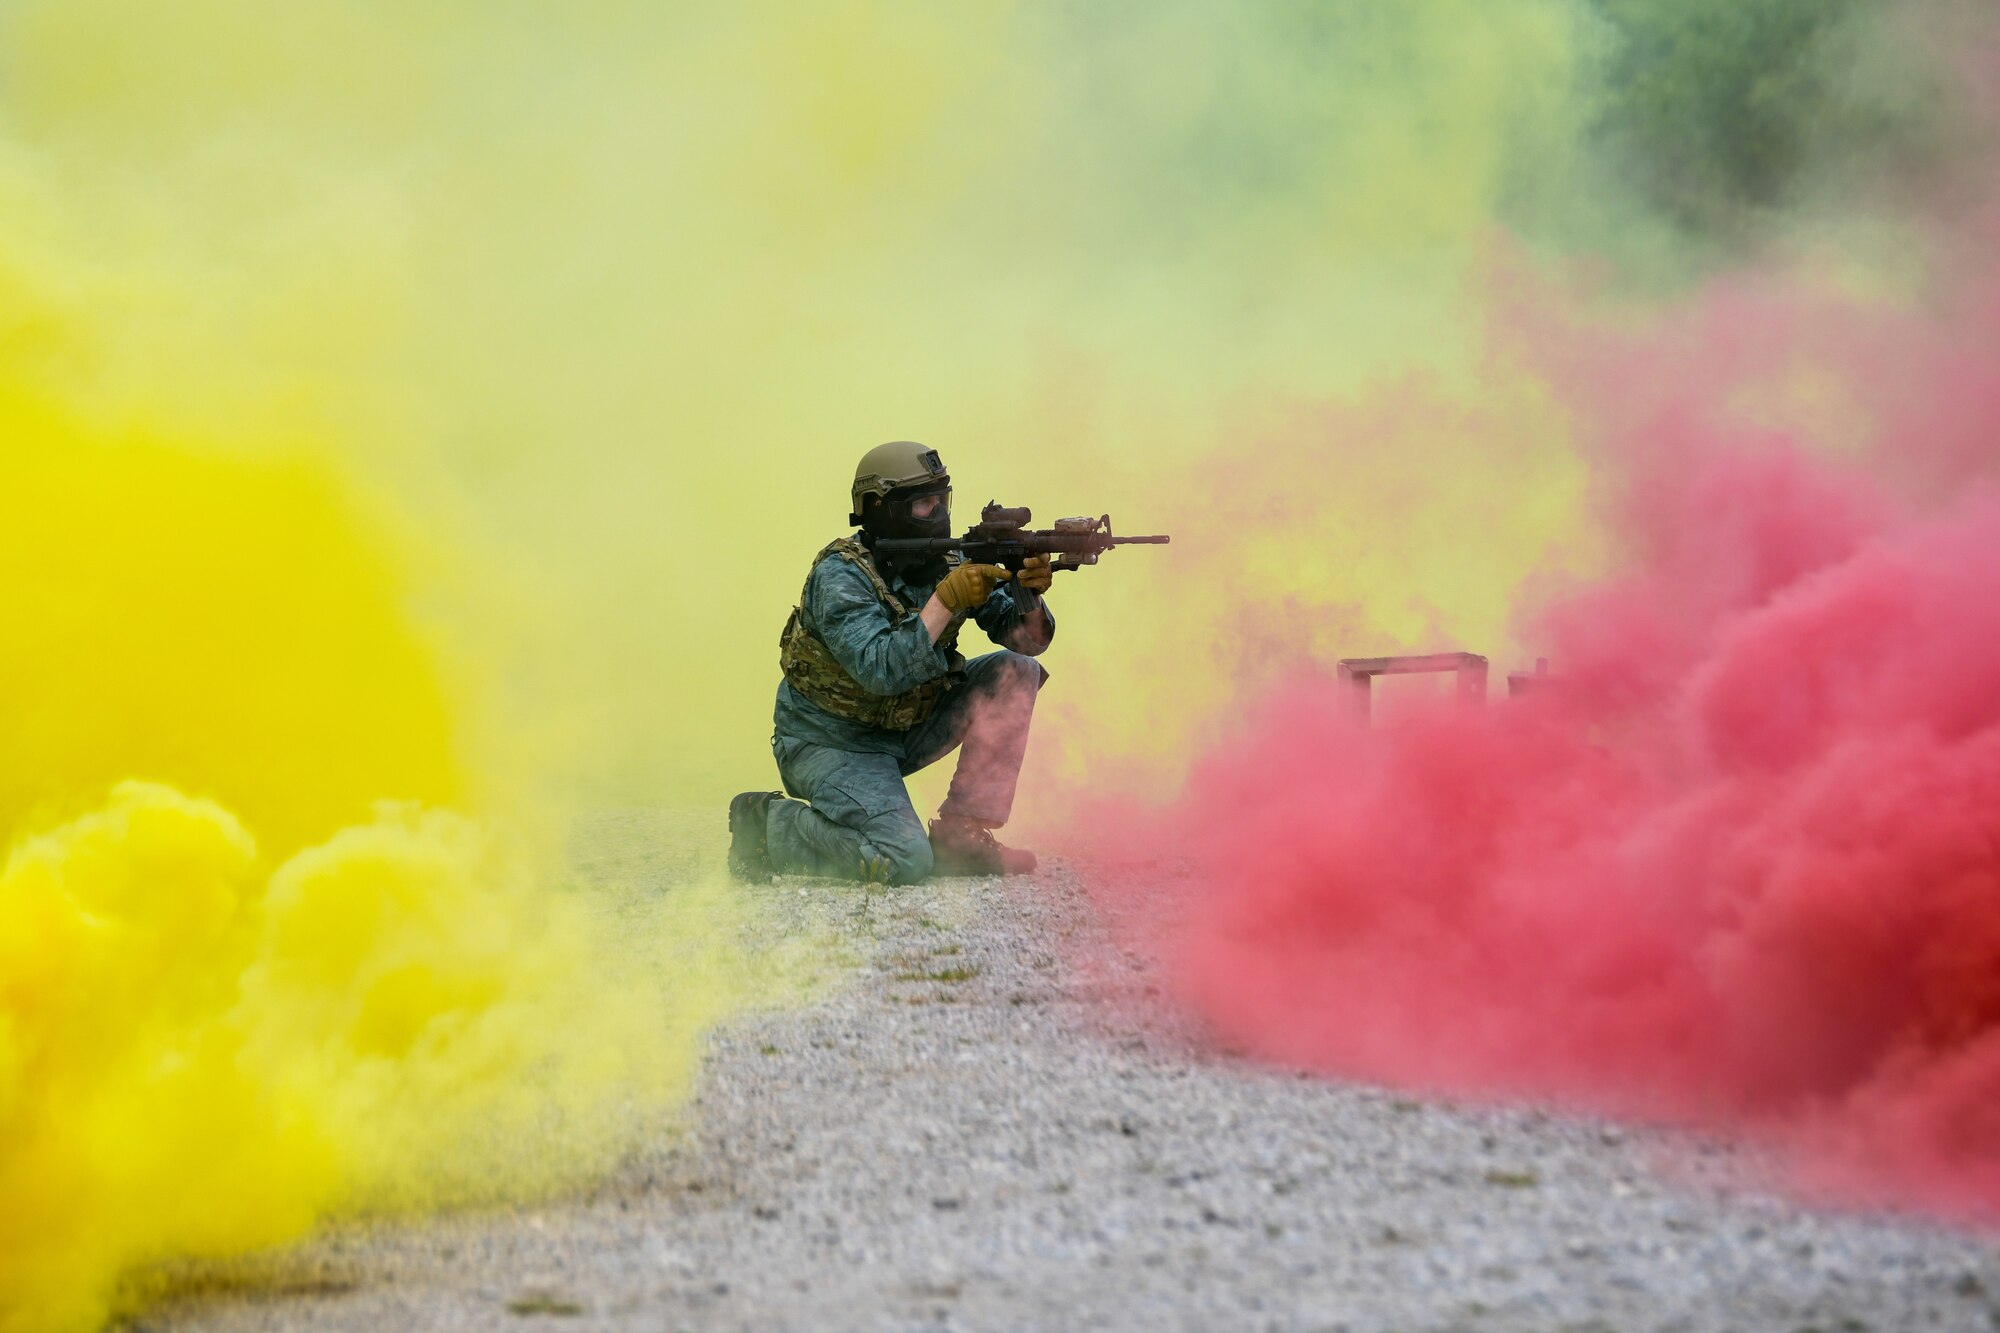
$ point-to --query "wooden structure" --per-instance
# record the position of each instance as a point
(1357, 675)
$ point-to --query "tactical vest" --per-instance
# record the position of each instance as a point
(811, 668)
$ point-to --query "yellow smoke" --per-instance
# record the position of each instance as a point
(217, 623)
(285, 985)
(628, 291)
(436, 405)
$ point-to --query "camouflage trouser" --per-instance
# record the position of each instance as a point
(853, 818)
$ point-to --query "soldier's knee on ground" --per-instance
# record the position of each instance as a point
(906, 849)
(910, 861)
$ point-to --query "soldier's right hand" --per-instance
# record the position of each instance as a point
(969, 585)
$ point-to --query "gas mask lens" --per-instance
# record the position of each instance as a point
(926, 508)
(925, 515)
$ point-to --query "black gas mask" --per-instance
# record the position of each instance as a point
(915, 511)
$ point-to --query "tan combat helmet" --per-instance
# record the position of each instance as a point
(893, 466)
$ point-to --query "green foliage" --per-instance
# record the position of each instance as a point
(1719, 113)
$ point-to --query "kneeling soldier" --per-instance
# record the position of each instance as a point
(875, 688)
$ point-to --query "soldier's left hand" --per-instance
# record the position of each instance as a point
(1035, 574)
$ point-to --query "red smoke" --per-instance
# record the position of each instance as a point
(1741, 865)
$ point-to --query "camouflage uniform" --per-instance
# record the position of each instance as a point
(852, 817)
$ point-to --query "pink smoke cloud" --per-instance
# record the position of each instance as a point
(1740, 866)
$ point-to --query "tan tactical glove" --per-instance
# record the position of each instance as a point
(1035, 574)
(969, 586)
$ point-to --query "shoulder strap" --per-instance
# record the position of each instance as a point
(852, 551)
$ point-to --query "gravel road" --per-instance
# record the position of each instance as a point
(983, 1129)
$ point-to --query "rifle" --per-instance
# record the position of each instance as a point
(1002, 537)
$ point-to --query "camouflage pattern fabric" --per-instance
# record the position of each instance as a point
(853, 818)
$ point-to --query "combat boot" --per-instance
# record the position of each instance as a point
(964, 846)
(749, 853)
